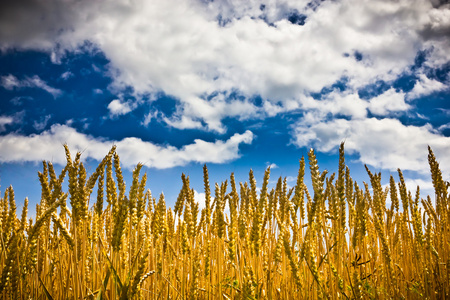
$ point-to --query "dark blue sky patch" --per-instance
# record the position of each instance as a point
(436, 108)
(405, 82)
(84, 94)
(19, 63)
(372, 90)
(340, 85)
(119, 128)
(297, 18)
(131, 125)
(446, 131)
(420, 59)
(229, 96)
(32, 109)
(358, 55)
(441, 74)
(256, 100)
(267, 147)
(165, 104)
(412, 119)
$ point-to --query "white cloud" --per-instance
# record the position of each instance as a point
(426, 186)
(14, 148)
(336, 103)
(183, 122)
(212, 111)
(11, 120)
(389, 101)
(42, 123)
(435, 30)
(271, 165)
(66, 75)
(444, 127)
(177, 47)
(148, 118)
(11, 82)
(200, 199)
(5, 120)
(349, 104)
(385, 143)
(425, 86)
(117, 107)
(270, 11)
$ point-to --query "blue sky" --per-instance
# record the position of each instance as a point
(233, 84)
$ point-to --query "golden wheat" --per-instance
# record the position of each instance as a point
(339, 241)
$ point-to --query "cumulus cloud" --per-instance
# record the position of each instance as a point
(183, 49)
(5, 120)
(201, 53)
(271, 12)
(381, 143)
(11, 82)
(348, 104)
(437, 26)
(389, 101)
(195, 110)
(33, 23)
(117, 108)
(17, 148)
(425, 86)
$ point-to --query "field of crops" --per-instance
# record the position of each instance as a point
(339, 240)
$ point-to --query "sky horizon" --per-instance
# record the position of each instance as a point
(231, 84)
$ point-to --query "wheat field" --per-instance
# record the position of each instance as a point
(339, 240)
